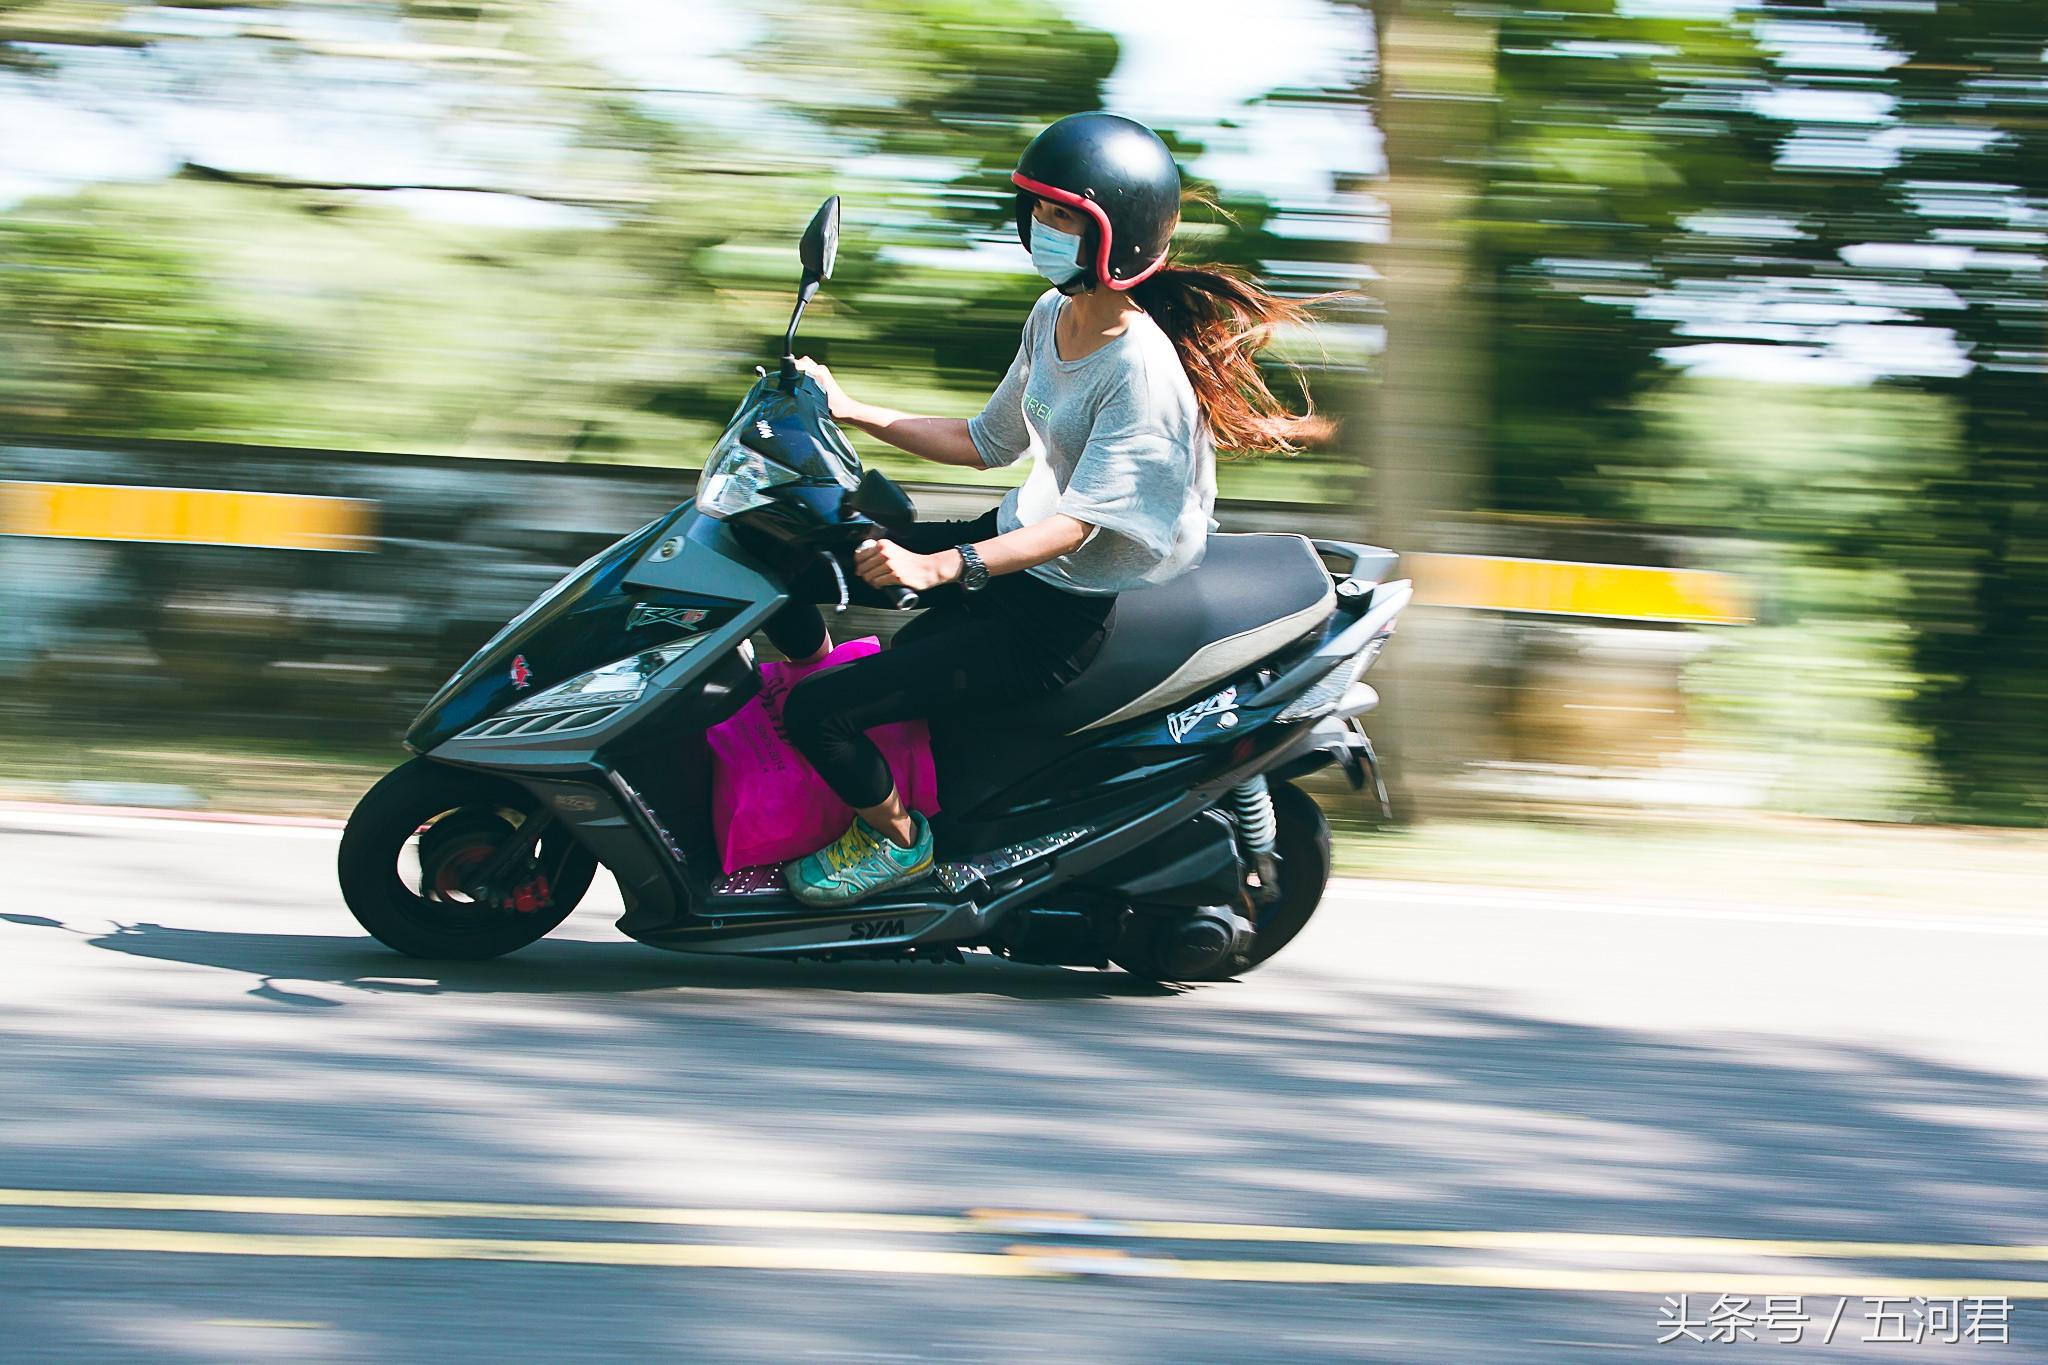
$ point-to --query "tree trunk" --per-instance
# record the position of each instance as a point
(1427, 452)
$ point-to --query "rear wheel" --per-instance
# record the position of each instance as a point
(1302, 845)
(414, 849)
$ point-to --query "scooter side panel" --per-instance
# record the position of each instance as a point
(858, 928)
(638, 601)
(1001, 784)
(597, 817)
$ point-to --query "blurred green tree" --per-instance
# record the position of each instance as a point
(622, 334)
(107, 331)
(928, 103)
(26, 26)
(1846, 181)
(1971, 189)
(1601, 150)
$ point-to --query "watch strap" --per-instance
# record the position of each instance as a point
(973, 573)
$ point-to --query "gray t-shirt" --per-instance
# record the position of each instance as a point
(1119, 443)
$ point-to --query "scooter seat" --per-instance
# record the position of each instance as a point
(1250, 596)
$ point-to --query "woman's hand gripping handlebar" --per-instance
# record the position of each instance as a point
(895, 573)
(870, 560)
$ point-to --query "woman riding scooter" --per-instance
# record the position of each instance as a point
(1130, 373)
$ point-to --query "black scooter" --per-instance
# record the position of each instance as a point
(1143, 815)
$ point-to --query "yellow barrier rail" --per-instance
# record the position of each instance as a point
(186, 516)
(298, 521)
(1554, 587)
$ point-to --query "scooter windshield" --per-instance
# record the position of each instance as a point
(777, 437)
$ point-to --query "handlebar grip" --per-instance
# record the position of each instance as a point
(898, 597)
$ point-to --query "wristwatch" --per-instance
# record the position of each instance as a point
(973, 573)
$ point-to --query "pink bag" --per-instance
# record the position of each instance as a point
(768, 804)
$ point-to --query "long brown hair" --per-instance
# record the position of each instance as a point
(1219, 321)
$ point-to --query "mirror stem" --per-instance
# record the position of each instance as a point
(803, 296)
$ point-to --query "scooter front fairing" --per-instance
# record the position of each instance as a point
(650, 616)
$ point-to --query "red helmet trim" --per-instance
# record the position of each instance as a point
(1093, 210)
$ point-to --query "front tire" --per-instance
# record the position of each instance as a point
(414, 835)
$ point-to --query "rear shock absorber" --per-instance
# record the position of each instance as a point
(1251, 807)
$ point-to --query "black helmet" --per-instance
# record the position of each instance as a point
(1117, 172)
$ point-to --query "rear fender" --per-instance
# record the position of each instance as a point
(1339, 738)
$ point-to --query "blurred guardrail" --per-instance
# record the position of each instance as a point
(185, 516)
(294, 588)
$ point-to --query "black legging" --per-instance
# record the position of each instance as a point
(969, 652)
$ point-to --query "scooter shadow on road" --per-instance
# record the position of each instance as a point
(577, 967)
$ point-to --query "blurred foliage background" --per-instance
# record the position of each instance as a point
(1762, 279)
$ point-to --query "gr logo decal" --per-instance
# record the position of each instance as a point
(1180, 724)
(686, 618)
(876, 928)
(522, 676)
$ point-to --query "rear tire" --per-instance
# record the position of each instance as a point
(458, 816)
(1302, 844)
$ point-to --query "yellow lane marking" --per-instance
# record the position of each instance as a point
(1598, 1281)
(448, 1208)
(869, 1260)
(1632, 1244)
(1552, 587)
(1092, 1254)
(1032, 1264)
(186, 516)
(1003, 1221)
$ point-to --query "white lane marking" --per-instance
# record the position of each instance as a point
(1007, 1222)
(17, 820)
(1508, 898)
(170, 813)
(1366, 889)
(1021, 1262)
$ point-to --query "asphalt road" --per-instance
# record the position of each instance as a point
(1446, 1125)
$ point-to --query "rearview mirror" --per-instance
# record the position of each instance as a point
(819, 250)
(821, 241)
(881, 501)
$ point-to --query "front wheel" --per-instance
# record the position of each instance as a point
(413, 848)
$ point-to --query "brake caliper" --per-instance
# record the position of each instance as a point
(531, 895)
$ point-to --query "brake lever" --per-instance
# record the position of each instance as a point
(840, 574)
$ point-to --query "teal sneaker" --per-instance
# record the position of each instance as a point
(859, 863)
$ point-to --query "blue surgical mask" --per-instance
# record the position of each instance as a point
(1055, 254)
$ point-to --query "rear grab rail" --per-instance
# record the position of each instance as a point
(1387, 603)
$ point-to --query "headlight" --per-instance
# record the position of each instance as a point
(738, 478)
(618, 682)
